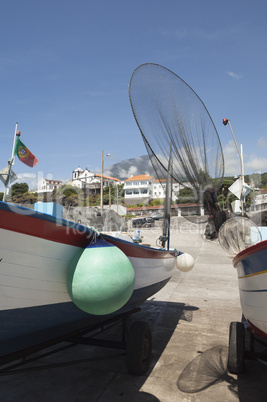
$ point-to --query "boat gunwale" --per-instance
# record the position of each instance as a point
(249, 251)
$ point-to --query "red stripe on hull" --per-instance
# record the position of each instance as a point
(139, 251)
(250, 251)
(44, 229)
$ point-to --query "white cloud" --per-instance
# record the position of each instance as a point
(30, 178)
(123, 172)
(234, 75)
(231, 159)
(252, 162)
(256, 164)
(128, 173)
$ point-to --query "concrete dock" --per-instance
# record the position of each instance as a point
(189, 319)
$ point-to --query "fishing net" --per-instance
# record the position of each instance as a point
(207, 369)
(238, 233)
(177, 130)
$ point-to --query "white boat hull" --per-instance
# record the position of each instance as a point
(35, 253)
(251, 265)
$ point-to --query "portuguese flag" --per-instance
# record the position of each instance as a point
(24, 154)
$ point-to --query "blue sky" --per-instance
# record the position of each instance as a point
(65, 67)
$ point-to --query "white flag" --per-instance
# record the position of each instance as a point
(238, 188)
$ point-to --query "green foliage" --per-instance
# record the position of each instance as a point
(72, 200)
(186, 196)
(26, 198)
(227, 182)
(156, 202)
(203, 177)
(111, 192)
(1, 196)
(69, 191)
(66, 195)
(19, 189)
(138, 205)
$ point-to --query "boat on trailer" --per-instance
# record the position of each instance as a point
(252, 278)
(250, 264)
(242, 240)
(54, 272)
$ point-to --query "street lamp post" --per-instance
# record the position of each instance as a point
(101, 186)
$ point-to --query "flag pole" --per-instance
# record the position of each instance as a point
(10, 163)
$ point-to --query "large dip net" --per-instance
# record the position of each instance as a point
(238, 233)
(178, 132)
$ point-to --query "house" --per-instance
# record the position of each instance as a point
(143, 188)
(260, 201)
(159, 188)
(92, 181)
(48, 185)
(138, 189)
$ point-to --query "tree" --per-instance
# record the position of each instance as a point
(19, 189)
(186, 196)
(68, 191)
(226, 183)
(26, 198)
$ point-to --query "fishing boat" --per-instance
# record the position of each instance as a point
(56, 272)
(250, 264)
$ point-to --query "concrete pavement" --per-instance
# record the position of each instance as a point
(189, 319)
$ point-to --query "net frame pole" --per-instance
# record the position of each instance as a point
(242, 167)
(167, 204)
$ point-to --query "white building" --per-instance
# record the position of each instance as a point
(138, 189)
(47, 185)
(261, 200)
(85, 178)
(159, 188)
(143, 188)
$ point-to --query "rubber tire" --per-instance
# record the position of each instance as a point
(236, 352)
(139, 348)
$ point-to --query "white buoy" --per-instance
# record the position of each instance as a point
(185, 262)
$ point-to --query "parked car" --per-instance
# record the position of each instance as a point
(146, 222)
(157, 215)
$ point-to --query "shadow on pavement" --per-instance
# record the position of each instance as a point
(89, 373)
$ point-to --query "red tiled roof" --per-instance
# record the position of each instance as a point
(107, 177)
(53, 181)
(140, 177)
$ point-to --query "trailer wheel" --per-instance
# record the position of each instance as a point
(236, 353)
(139, 348)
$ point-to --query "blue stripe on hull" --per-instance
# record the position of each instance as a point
(253, 264)
(254, 291)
